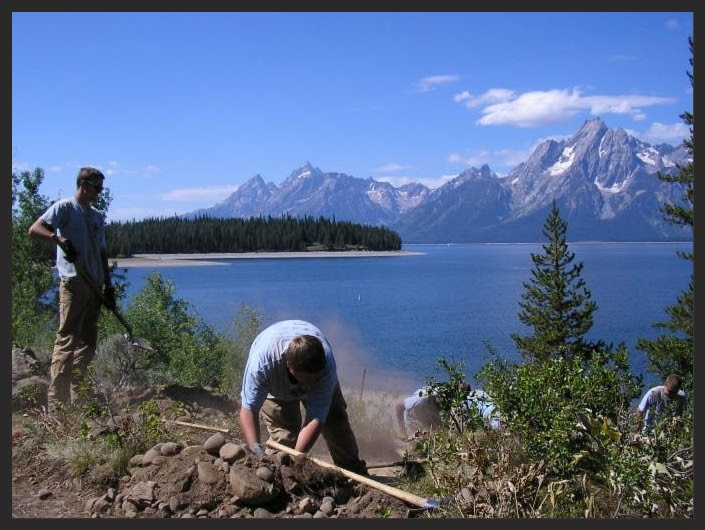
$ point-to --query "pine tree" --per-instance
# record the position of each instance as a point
(673, 352)
(556, 302)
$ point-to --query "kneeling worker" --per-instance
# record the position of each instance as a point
(291, 363)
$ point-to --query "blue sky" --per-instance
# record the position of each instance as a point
(178, 109)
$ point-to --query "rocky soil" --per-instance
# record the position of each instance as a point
(201, 470)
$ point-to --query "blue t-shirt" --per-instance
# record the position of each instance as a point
(266, 374)
(84, 226)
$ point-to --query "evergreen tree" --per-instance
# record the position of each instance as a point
(673, 351)
(556, 302)
(33, 303)
(566, 386)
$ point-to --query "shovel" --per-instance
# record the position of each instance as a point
(128, 336)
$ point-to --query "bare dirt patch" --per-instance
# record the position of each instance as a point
(184, 477)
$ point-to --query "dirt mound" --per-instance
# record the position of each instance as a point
(195, 474)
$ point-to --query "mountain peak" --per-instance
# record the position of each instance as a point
(591, 129)
(603, 179)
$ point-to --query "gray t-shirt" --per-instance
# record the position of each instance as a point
(84, 226)
(266, 374)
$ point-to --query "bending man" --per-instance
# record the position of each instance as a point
(291, 364)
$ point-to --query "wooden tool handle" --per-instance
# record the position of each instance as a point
(198, 426)
(389, 490)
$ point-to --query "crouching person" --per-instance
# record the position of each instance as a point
(291, 364)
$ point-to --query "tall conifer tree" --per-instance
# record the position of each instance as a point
(556, 303)
(673, 351)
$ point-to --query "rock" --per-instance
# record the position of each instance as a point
(230, 452)
(170, 448)
(29, 392)
(213, 444)
(207, 473)
(249, 488)
(44, 494)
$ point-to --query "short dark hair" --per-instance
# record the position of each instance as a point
(673, 382)
(88, 173)
(306, 354)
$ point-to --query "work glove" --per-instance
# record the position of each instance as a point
(257, 450)
(69, 251)
(109, 297)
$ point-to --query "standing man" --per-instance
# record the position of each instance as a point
(78, 230)
(291, 364)
(657, 399)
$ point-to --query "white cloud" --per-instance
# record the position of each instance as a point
(216, 193)
(114, 169)
(673, 134)
(623, 58)
(672, 24)
(429, 182)
(430, 83)
(512, 157)
(136, 213)
(474, 159)
(391, 167)
(493, 95)
(549, 107)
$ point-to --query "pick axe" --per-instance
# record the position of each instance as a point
(99, 292)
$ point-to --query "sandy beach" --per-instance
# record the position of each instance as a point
(182, 260)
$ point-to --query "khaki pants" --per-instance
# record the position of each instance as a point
(283, 420)
(76, 340)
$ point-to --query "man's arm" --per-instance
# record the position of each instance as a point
(308, 436)
(42, 231)
(249, 425)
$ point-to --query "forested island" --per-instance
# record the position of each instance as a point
(273, 234)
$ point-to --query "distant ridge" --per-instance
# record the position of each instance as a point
(603, 180)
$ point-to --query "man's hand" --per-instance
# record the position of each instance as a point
(69, 250)
(257, 450)
(109, 297)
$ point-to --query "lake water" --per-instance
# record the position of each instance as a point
(389, 319)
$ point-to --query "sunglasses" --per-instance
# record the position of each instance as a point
(95, 185)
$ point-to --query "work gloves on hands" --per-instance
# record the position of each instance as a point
(69, 250)
(109, 297)
(257, 450)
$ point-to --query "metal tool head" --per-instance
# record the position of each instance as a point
(132, 341)
(432, 504)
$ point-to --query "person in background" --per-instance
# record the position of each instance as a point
(78, 231)
(658, 399)
(291, 364)
(420, 411)
(482, 401)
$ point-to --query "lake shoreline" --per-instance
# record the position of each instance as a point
(185, 260)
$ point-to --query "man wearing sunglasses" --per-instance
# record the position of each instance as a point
(77, 228)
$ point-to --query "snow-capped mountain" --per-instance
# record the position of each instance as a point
(604, 182)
